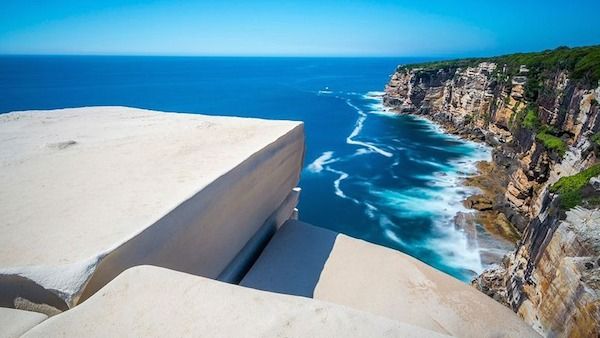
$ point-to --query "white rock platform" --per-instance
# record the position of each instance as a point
(87, 193)
(135, 304)
(309, 261)
(13, 322)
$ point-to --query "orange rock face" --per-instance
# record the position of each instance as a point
(553, 279)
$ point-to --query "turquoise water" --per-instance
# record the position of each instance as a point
(392, 180)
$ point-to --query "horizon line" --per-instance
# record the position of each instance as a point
(225, 55)
(332, 56)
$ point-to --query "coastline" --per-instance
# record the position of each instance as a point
(491, 180)
(541, 118)
(432, 200)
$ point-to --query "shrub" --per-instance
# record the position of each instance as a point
(531, 120)
(595, 138)
(552, 142)
(569, 187)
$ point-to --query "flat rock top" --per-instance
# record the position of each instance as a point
(392, 284)
(368, 277)
(76, 182)
(136, 304)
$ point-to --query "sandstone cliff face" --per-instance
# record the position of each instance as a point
(542, 126)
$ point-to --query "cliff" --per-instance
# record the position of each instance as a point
(84, 199)
(539, 111)
(98, 230)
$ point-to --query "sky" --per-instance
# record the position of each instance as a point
(295, 28)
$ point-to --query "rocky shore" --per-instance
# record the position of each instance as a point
(539, 112)
(491, 180)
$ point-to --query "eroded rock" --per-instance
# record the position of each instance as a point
(182, 191)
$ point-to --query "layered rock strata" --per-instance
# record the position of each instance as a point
(542, 118)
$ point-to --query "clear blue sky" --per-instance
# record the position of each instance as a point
(297, 28)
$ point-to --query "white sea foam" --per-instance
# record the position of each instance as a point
(437, 148)
(377, 107)
(374, 95)
(455, 248)
(430, 163)
(318, 165)
(394, 165)
(357, 129)
(370, 210)
(441, 201)
(387, 226)
(392, 235)
(336, 184)
(440, 204)
(422, 202)
(383, 112)
(321, 163)
(362, 151)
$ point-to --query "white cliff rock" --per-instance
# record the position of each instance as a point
(89, 192)
(378, 280)
(135, 305)
(13, 322)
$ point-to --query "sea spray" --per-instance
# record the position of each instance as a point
(419, 217)
(317, 165)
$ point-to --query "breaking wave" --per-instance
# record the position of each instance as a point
(413, 193)
(358, 128)
(317, 165)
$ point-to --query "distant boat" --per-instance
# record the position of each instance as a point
(325, 91)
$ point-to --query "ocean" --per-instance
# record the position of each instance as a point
(371, 174)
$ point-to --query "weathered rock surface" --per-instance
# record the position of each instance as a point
(135, 304)
(378, 280)
(14, 323)
(89, 192)
(550, 279)
(553, 281)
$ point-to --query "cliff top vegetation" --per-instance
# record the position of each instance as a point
(581, 62)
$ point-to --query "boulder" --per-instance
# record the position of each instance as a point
(89, 192)
(147, 301)
(367, 277)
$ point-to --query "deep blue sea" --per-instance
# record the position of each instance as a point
(392, 180)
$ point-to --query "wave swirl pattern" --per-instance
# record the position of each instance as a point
(398, 182)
